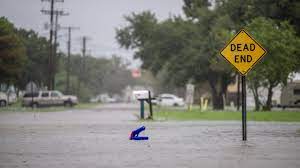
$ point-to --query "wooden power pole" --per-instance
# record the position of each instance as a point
(50, 79)
(69, 28)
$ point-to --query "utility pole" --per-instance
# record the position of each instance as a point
(83, 53)
(84, 39)
(50, 57)
(69, 28)
(57, 27)
(57, 13)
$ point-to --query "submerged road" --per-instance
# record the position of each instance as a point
(99, 138)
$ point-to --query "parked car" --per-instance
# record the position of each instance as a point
(169, 100)
(154, 101)
(6, 99)
(48, 98)
(111, 100)
(95, 100)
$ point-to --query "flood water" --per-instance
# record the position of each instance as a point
(99, 138)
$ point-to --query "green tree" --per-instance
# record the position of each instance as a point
(12, 53)
(36, 51)
(214, 30)
(100, 75)
(242, 12)
(185, 49)
(282, 45)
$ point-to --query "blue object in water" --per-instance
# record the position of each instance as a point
(135, 134)
(139, 138)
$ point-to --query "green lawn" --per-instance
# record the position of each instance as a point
(284, 116)
(18, 108)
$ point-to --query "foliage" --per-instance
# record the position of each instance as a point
(242, 12)
(282, 57)
(12, 53)
(187, 49)
(37, 53)
(96, 76)
(89, 76)
(182, 48)
(178, 49)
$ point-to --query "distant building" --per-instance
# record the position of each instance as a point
(278, 91)
(290, 96)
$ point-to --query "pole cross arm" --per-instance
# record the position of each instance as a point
(52, 0)
(56, 12)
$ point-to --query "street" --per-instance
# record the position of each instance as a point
(99, 138)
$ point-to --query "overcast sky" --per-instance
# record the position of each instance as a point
(97, 19)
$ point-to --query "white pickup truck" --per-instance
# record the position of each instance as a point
(7, 99)
(48, 98)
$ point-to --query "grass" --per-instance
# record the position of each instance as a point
(181, 115)
(18, 108)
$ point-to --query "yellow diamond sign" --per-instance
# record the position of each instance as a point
(243, 52)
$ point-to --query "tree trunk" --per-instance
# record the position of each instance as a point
(17, 92)
(217, 98)
(269, 99)
(254, 84)
(217, 101)
(254, 90)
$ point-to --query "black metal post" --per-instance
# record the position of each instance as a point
(238, 93)
(142, 108)
(31, 89)
(244, 111)
(150, 105)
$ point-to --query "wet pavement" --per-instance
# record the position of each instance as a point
(99, 138)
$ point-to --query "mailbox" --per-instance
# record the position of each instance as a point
(141, 94)
(144, 96)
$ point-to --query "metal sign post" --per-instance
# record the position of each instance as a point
(142, 109)
(244, 110)
(150, 105)
(243, 52)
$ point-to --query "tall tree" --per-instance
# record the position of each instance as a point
(12, 53)
(36, 51)
(186, 49)
(282, 45)
(214, 30)
(242, 12)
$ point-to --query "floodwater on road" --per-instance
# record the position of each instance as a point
(99, 138)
